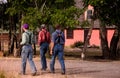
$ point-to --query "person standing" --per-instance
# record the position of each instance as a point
(57, 49)
(43, 41)
(27, 50)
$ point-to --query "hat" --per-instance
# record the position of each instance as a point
(43, 26)
(26, 26)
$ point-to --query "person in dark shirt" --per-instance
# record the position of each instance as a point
(57, 48)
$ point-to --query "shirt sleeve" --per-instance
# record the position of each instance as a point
(23, 39)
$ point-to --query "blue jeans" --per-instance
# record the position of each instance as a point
(27, 53)
(58, 50)
(43, 49)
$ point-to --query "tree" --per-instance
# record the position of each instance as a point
(2, 19)
(36, 12)
(107, 11)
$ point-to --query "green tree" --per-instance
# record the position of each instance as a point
(36, 12)
(107, 11)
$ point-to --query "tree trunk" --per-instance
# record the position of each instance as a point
(10, 29)
(104, 42)
(19, 48)
(113, 45)
(87, 38)
(118, 46)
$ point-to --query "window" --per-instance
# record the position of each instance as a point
(89, 14)
(69, 34)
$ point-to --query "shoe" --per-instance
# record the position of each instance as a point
(21, 73)
(33, 74)
(63, 72)
(43, 69)
(52, 72)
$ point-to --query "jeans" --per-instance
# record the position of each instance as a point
(43, 49)
(27, 53)
(58, 50)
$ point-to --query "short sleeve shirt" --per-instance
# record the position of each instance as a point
(55, 35)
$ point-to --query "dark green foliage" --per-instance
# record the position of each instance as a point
(77, 44)
(36, 12)
(108, 11)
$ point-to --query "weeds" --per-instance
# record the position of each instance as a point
(2, 74)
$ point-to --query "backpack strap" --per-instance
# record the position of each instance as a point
(29, 37)
(45, 33)
(59, 35)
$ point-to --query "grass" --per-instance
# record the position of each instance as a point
(2, 74)
(5, 75)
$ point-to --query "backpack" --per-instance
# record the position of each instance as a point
(59, 36)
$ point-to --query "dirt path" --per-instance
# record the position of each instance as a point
(74, 69)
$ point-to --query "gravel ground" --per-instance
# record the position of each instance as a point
(74, 69)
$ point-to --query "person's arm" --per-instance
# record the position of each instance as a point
(52, 44)
(51, 47)
(39, 38)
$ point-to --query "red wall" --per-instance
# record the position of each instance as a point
(95, 39)
(109, 35)
(78, 35)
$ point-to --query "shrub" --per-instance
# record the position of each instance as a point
(77, 44)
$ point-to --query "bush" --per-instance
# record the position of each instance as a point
(77, 44)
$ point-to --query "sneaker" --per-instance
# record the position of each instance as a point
(33, 74)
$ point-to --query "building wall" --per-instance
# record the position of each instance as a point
(78, 35)
(109, 35)
(95, 38)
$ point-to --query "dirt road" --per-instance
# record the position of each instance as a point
(74, 69)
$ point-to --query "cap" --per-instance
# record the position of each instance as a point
(26, 26)
(43, 26)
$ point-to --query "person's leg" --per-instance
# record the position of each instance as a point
(42, 56)
(44, 59)
(61, 60)
(52, 63)
(23, 60)
(30, 59)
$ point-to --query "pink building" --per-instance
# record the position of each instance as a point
(79, 34)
